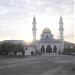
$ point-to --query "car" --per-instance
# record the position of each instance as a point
(38, 53)
(73, 54)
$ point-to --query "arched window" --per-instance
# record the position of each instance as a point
(47, 36)
(42, 49)
(55, 49)
(49, 49)
(42, 35)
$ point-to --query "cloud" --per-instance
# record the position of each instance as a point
(3, 10)
(16, 15)
(70, 39)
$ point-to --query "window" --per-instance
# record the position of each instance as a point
(42, 35)
(49, 49)
(55, 49)
(42, 49)
(47, 36)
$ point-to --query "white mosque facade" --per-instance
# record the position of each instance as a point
(47, 39)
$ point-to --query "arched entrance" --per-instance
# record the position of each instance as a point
(48, 49)
(55, 49)
(42, 49)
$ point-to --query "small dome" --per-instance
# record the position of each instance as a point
(46, 30)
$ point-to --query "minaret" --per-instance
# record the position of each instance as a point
(61, 29)
(34, 28)
(61, 33)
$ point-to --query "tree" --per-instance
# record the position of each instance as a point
(23, 52)
(4, 48)
(7, 48)
(42, 49)
(67, 50)
(32, 52)
(73, 49)
(13, 49)
(20, 48)
(1, 51)
(49, 49)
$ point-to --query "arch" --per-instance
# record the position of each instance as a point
(48, 49)
(46, 35)
(42, 49)
(42, 35)
(55, 49)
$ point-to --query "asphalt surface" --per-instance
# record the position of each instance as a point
(38, 65)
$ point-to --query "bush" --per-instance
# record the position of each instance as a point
(32, 52)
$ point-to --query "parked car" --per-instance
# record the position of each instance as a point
(73, 54)
(38, 53)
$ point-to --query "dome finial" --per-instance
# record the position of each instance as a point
(34, 19)
(60, 19)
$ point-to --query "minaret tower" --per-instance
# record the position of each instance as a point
(61, 33)
(34, 28)
(61, 29)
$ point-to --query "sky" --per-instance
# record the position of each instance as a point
(16, 18)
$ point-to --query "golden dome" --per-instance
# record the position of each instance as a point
(46, 30)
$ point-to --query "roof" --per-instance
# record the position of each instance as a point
(19, 42)
(49, 40)
(14, 41)
(69, 43)
(46, 30)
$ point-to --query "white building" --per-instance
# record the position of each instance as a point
(47, 39)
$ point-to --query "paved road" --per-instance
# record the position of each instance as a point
(37, 65)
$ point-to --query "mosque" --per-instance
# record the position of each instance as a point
(46, 40)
